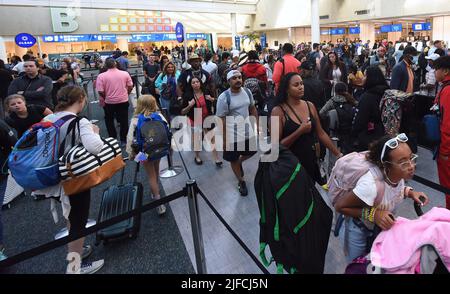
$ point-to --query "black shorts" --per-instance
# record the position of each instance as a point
(232, 156)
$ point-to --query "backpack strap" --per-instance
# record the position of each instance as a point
(249, 93)
(228, 96)
(379, 182)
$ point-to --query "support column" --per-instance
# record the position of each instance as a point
(122, 44)
(367, 32)
(440, 27)
(233, 29)
(315, 22)
(289, 35)
(3, 55)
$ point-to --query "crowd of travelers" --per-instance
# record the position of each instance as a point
(319, 94)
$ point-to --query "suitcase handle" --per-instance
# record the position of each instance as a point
(123, 172)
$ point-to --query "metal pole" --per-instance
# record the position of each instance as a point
(196, 227)
(136, 81)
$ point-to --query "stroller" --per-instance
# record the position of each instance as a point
(430, 263)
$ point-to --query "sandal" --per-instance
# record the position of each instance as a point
(219, 163)
(198, 161)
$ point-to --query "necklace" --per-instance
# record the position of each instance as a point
(389, 180)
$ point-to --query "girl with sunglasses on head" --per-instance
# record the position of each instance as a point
(394, 163)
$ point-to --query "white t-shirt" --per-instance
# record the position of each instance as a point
(366, 190)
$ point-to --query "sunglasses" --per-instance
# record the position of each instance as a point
(393, 143)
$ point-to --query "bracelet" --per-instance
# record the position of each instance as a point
(407, 191)
(372, 215)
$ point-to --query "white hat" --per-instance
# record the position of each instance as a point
(233, 73)
(433, 57)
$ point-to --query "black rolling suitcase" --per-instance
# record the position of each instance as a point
(116, 201)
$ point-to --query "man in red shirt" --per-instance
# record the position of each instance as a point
(288, 64)
(253, 68)
(442, 67)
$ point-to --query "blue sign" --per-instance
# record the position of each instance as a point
(179, 31)
(354, 31)
(421, 26)
(397, 28)
(338, 31)
(25, 40)
(79, 38)
(237, 43)
(110, 38)
(196, 36)
(391, 28)
(325, 32)
(263, 40)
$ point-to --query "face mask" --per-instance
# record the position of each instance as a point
(415, 60)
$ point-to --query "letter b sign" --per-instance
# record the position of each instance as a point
(63, 20)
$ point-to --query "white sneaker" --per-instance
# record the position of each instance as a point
(161, 209)
(91, 267)
(87, 251)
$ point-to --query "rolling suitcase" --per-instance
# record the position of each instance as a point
(117, 200)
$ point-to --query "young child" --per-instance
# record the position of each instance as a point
(147, 106)
(20, 116)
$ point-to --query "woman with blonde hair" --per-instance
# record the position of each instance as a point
(166, 84)
(146, 106)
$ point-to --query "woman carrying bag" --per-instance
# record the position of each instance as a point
(71, 101)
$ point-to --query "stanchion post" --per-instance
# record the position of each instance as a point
(136, 81)
(93, 87)
(191, 187)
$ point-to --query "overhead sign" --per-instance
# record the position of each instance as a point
(263, 40)
(325, 32)
(338, 31)
(79, 38)
(196, 36)
(179, 31)
(237, 43)
(137, 38)
(110, 38)
(25, 40)
(354, 31)
(421, 26)
(397, 28)
(391, 28)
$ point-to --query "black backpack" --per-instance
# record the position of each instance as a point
(312, 56)
(295, 221)
(345, 113)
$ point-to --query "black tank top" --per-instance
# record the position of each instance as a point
(303, 147)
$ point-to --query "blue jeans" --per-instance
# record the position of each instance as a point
(3, 182)
(356, 239)
(165, 104)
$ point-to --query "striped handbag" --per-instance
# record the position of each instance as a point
(81, 170)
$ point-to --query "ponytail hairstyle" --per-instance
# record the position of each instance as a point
(68, 96)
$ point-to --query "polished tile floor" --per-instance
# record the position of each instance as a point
(223, 253)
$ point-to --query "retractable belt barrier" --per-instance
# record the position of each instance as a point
(63, 241)
(431, 185)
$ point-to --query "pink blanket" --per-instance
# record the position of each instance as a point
(397, 251)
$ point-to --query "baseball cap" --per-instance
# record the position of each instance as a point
(233, 73)
(433, 57)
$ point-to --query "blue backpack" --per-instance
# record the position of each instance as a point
(34, 160)
(153, 136)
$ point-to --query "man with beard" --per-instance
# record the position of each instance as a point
(236, 104)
